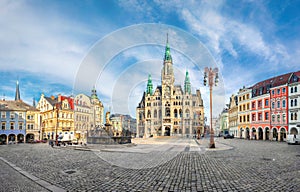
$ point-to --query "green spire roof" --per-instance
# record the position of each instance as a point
(168, 56)
(187, 83)
(149, 85)
(94, 93)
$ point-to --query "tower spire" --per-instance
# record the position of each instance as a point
(187, 83)
(149, 85)
(17, 96)
(168, 56)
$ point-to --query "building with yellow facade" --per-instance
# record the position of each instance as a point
(244, 99)
(57, 117)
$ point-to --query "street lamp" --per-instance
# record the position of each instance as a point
(56, 126)
(213, 79)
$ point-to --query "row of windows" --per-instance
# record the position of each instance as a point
(244, 119)
(11, 115)
(175, 103)
(177, 113)
(294, 89)
(294, 116)
(260, 116)
(278, 91)
(243, 107)
(12, 126)
(82, 118)
(266, 117)
(278, 104)
(259, 103)
(60, 115)
(244, 97)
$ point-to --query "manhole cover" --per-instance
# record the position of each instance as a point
(266, 159)
(70, 171)
(297, 155)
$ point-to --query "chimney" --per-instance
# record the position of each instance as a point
(52, 97)
(59, 97)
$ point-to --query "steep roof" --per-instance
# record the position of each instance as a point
(264, 87)
(18, 105)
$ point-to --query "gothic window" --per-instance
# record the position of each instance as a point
(292, 90)
(283, 90)
(295, 102)
(155, 113)
(159, 113)
(278, 104)
(292, 103)
(273, 118)
(20, 126)
(278, 118)
(295, 89)
(175, 113)
(140, 116)
(295, 116)
(187, 112)
(283, 117)
(180, 112)
(292, 116)
(3, 126)
(283, 103)
(167, 112)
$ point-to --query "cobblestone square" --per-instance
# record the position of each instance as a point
(164, 164)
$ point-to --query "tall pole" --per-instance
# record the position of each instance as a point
(212, 75)
(212, 142)
(56, 136)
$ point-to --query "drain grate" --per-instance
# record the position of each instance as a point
(297, 155)
(266, 159)
(187, 148)
(70, 172)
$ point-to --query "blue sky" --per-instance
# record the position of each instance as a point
(44, 44)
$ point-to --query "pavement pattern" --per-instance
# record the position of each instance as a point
(172, 164)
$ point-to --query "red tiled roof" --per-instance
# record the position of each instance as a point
(269, 83)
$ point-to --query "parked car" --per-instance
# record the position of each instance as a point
(293, 139)
(228, 136)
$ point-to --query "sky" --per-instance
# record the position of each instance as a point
(68, 47)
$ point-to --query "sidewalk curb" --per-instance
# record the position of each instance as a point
(35, 179)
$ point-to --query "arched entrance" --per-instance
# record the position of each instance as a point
(167, 131)
(3, 139)
(275, 134)
(253, 136)
(241, 132)
(11, 138)
(247, 133)
(260, 133)
(294, 131)
(267, 132)
(29, 138)
(20, 138)
(282, 134)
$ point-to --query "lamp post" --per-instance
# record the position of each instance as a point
(213, 79)
(56, 126)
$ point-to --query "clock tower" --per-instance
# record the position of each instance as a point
(167, 74)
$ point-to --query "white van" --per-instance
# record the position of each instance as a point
(293, 139)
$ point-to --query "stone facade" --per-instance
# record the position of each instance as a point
(169, 109)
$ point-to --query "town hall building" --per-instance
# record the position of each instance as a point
(170, 110)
